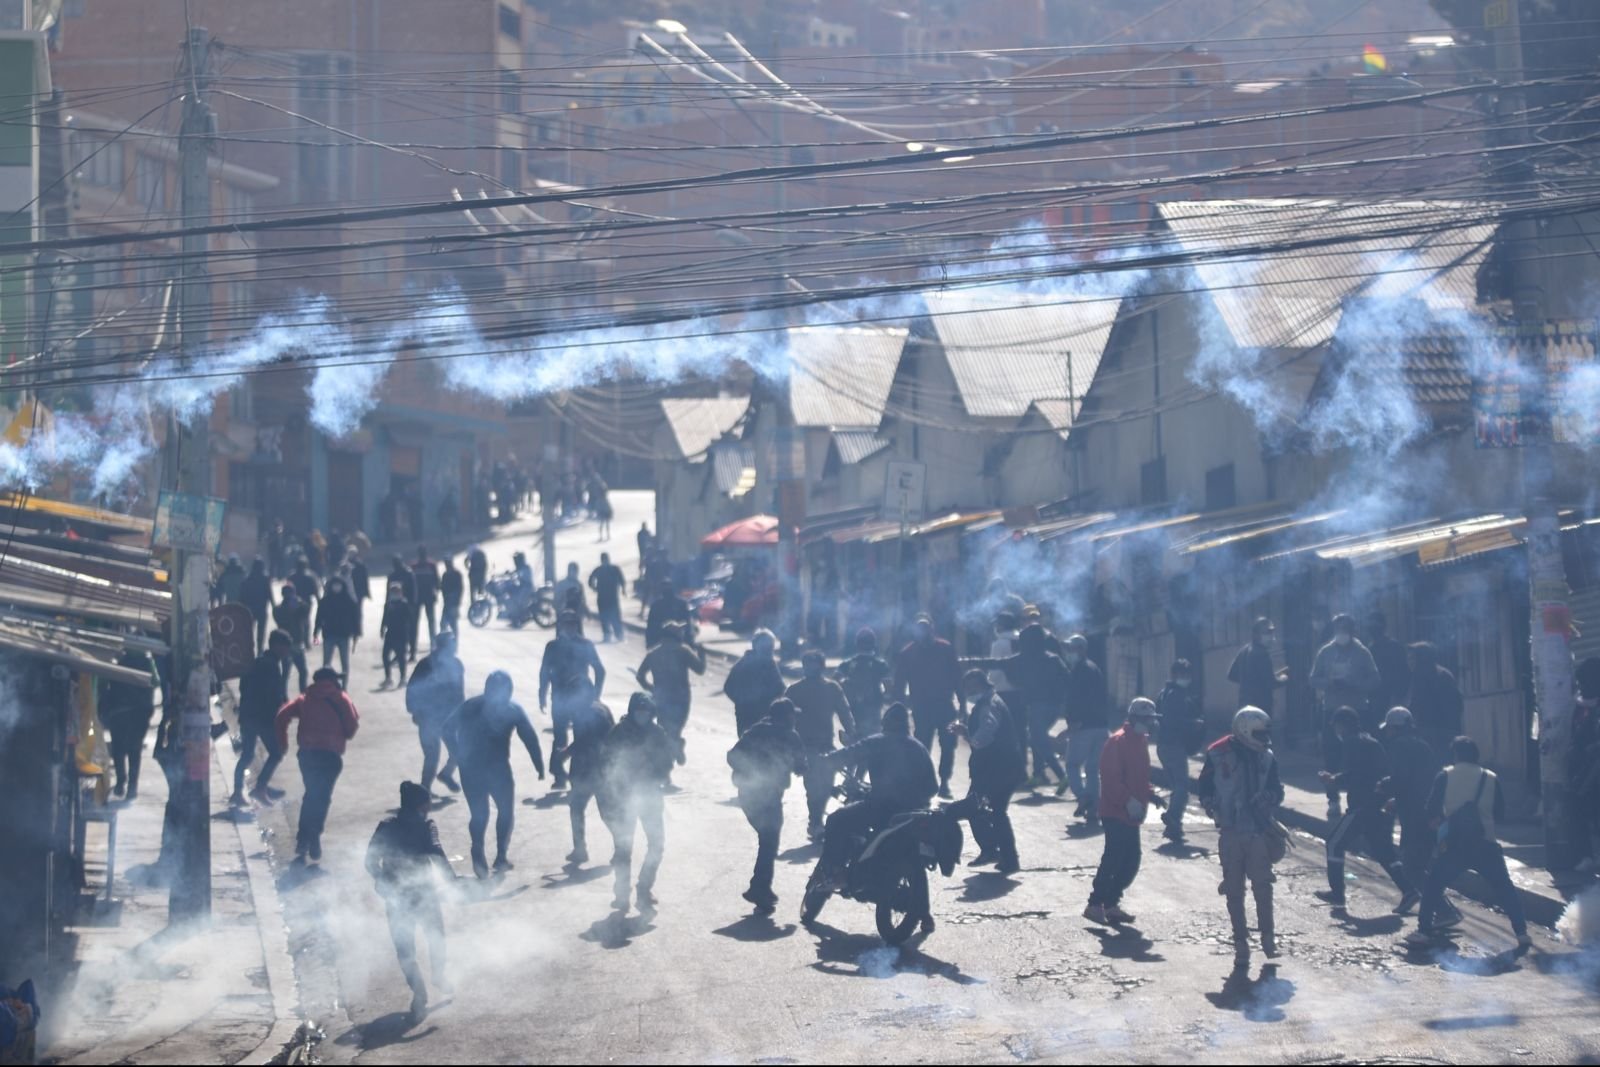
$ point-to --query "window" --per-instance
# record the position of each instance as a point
(510, 92)
(1220, 492)
(150, 183)
(98, 161)
(510, 22)
(1153, 481)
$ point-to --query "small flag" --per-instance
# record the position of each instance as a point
(1374, 60)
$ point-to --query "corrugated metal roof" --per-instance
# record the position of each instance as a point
(840, 376)
(698, 422)
(1059, 414)
(1295, 299)
(1431, 540)
(857, 445)
(733, 466)
(1010, 350)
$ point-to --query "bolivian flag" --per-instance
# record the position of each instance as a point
(1374, 60)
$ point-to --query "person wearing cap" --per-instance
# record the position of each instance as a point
(395, 632)
(1125, 799)
(998, 765)
(438, 687)
(817, 701)
(479, 732)
(1252, 670)
(1088, 710)
(866, 678)
(1343, 674)
(572, 677)
(328, 720)
(589, 727)
(1363, 767)
(1412, 767)
(763, 760)
(664, 674)
(928, 676)
(635, 765)
(754, 682)
(1241, 790)
(405, 861)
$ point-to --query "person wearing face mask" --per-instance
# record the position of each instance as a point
(479, 733)
(1363, 768)
(927, 669)
(635, 761)
(1240, 789)
(1182, 735)
(1343, 675)
(1038, 678)
(754, 682)
(1125, 798)
(1087, 708)
(817, 701)
(998, 764)
(1252, 670)
(865, 678)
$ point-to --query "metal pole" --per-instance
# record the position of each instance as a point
(189, 464)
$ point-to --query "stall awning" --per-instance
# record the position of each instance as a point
(1430, 540)
(79, 652)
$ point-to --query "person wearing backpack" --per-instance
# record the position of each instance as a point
(1464, 803)
(1182, 734)
(997, 767)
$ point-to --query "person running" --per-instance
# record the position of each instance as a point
(764, 759)
(866, 678)
(1240, 790)
(664, 674)
(571, 675)
(998, 765)
(395, 632)
(1125, 799)
(480, 732)
(126, 710)
(589, 727)
(928, 674)
(263, 689)
(666, 606)
(608, 581)
(328, 720)
(426, 601)
(403, 858)
(1412, 767)
(1364, 766)
(438, 687)
(452, 587)
(635, 762)
(1182, 735)
(817, 700)
(754, 682)
(337, 616)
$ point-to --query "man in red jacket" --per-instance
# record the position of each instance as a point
(1125, 798)
(328, 720)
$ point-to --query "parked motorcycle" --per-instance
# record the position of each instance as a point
(502, 599)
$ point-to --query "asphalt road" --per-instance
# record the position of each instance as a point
(544, 972)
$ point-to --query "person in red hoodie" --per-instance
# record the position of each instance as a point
(328, 720)
(1125, 798)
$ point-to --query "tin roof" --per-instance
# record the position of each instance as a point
(698, 422)
(1295, 299)
(857, 445)
(840, 376)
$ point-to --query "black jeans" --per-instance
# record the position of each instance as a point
(450, 617)
(249, 734)
(764, 812)
(578, 812)
(1375, 829)
(987, 809)
(1488, 860)
(623, 816)
(562, 715)
(610, 621)
(320, 770)
(341, 645)
(407, 911)
(430, 732)
(128, 731)
(1044, 753)
(937, 721)
(481, 785)
(1119, 863)
(394, 653)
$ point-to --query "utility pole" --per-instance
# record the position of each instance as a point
(188, 470)
(1550, 617)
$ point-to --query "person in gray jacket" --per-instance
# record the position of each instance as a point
(1240, 789)
(1344, 675)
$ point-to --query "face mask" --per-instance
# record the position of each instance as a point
(1184, 682)
(1343, 639)
(1140, 727)
(1265, 640)
(1072, 659)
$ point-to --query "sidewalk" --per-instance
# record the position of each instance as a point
(143, 992)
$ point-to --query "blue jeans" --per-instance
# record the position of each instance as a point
(1175, 762)
(1083, 754)
(1489, 861)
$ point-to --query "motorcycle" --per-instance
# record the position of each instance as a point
(502, 598)
(890, 870)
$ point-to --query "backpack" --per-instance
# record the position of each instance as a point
(1463, 828)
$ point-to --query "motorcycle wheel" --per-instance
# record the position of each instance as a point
(811, 904)
(898, 911)
(480, 612)
(545, 613)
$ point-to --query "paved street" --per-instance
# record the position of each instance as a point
(544, 972)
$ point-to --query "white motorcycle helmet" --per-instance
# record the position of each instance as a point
(1252, 728)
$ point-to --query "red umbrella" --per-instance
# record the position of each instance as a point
(755, 531)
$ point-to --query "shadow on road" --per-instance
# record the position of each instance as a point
(1447, 956)
(1260, 1000)
(298, 875)
(618, 929)
(1039, 800)
(571, 875)
(1181, 851)
(866, 956)
(391, 1029)
(549, 800)
(1126, 943)
(1369, 926)
(801, 853)
(1083, 829)
(988, 885)
(756, 927)
(1473, 1022)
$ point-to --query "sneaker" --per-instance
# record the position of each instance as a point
(419, 1006)
(316, 851)
(1422, 938)
(1080, 811)
(814, 830)
(1524, 943)
(578, 855)
(1117, 915)
(1096, 913)
(450, 782)
(944, 792)
(1269, 947)
(1008, 866)
(274, 792)
(763, 901)
(262, 797)
(1036, 781)
(503, 864)
(1407, 902)
(1328, 896)
(983, 859)
(238, 801)
(1061, 790)
(1446, 921)
(118, 790)
(927, 925)
(1173, 834)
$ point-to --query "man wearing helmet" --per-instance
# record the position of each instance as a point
(1125, 799)
(1239, 788)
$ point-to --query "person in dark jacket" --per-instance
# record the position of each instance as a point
(1181, 735)
(866, 678)
(572, 676)
(395, 631)
(1583, 764)
(328, 721)
(452, 587)
(1412, 767)
(817, 701)
(635, 761)
(1394, 671)
(998, 764)
(1343, 675)
(126, 710)
(754, 682)
(902, 777)
(337, 620)
(361, 587)
(403, 575)
(927, 675)
(230, 581)
(665, 606)
(480, 734)
(403, 858)
(1088, 711)
(1252, 670)
(664, 674)
(336, 551)
(255, 593)
(438, 687)
(309, 591)
(1039, 683)
(1435, 702)
(263, 689)
(427, 599)
(608, 582)
(1363, 766)
(764, 759)
(589, 727)
(287, 613)
(477, 571)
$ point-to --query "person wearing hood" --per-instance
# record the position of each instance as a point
(572, 676)
(438, 687)
(479, 732)
(395, 631)
(406, 861)
(361, 588)
(1252, 670)
(1412, 766)
(1182, 735)
(1435, 702)
(263, 689)
(590, 726)
(927, 675)
(328, 721)
(406, 578)
(1038, 679)
(866, 678)
(1125, 799)
(1364, 766)
(231, 580)
(818, 700)
(1344, 675)
(754, 682)
(337, 616)
(664, 674)
(768, 753)
(255, 593)
(1088, 709)
(427, 599)
(998, 765)
(1240, 790)
(126, 710)
(635, 762)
